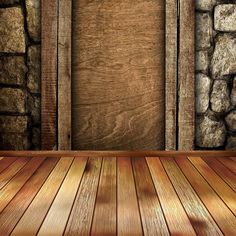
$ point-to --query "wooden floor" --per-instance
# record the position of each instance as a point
(175, 195)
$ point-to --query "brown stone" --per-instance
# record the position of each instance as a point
(231, 143)
(34, 108)
(15, 124)
(36, 136)
(14, 141)
(233, 93)
(202, 60)
(12, 30)
(8, 2)
(231, 120)
(205, 5)
(12, 70)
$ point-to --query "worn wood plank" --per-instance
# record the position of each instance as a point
(104, 220)
(80, 219)
(56, 219)
(5, 162)
(153, 220)
(38, 209)
(64, 74)
(128, 214)
(224, 218)
(10, 216)
(230, 164)
(49, 22)
(12, 170)
(171, 74)
(199, 217)
(186, 116)
(222, 189)
(174, 212)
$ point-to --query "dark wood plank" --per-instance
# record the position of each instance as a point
(174, 212)
(230, 164)
(49, 22)
(38, 209)
(12, 170)
(64, 74)
(80, 219)
(5, 162)
(199, 217)
(186, 117)
(222, 189)
(171, 74)
(16, 208)
(104, 220)
(128, 215)
(56, 219)
(153, 220)
(11, 189)
(224, 218)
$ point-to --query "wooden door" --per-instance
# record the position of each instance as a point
(118, 74)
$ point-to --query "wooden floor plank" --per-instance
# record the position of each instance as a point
(80, 219)
(5, 162)
(104, 220)
(174, 212)
(219, 211)
(42, 202)
(16, 208)
(151, 214)
(128, 215)
(55, 222)
(222, 171)
(199, 217)
(13, 186)
(230, 164)
(221, 188)
(12, 170)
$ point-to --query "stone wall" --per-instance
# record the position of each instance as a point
(19, 74)
(216, 74)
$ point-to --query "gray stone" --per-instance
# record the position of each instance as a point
(231, 143)
(231, 120)
(203, 85)
(205, 5)
(13, 124)
(203, 31)
(33, 63)
(224, 57)
(14, 141)
(36, 136)
(233, 93)
(33, 18)
(220, 98)
(12, 30)
(34, 108)
(12, 70)
(8, 2)
(201, 60)
(210, 133)
(225, 17)
(12, 100)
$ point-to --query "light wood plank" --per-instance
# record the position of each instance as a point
(12, 170)
(220, 212)
(199, 217)
(56, 219)
(16, 208)
(64, 74)
(230, 164)
(11, 189)
(80, 219)
(174, 212)
(128, 215)
(186, 117)
(49, 22)
(43, 200)
(171, 74)
(152, 217)
(5, 162)
(222, 189)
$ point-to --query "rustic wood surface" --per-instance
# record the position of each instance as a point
(138, 196)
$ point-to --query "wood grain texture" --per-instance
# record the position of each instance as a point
(64, 74)
(230, 164)
(49, 21)
(176, 217)
(118, 83)
(186, 116)
(5, 162)
(80, 219)
(199, 217)
(128, 215)
(148, 201)
(104, 219)
(171, 75)
(9, 217)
